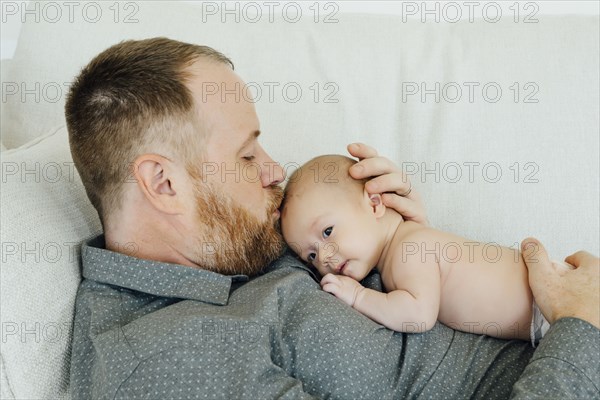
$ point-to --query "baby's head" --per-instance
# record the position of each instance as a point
(330, 220)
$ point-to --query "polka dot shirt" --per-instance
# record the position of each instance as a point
(152, 330)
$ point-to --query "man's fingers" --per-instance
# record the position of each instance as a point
(361, 150)
(534, 253)
(372, 167)
(582, 257)
(385, 176)
(405, 206)
(542, 276)
(560, 292)
(410, 207)
(394, 182)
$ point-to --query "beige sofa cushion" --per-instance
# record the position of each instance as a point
(45, 216)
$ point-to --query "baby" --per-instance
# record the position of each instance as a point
(333, 223)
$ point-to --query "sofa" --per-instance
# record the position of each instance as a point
(494, 120)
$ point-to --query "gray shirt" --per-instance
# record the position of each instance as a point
(146, 329)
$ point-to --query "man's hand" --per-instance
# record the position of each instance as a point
(396, 189)
(342, 287)
(562, 292)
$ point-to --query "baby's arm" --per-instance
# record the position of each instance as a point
(412, 306)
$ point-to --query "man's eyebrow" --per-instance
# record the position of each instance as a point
(251, 137)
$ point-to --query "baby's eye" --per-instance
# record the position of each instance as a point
(311, 257)
(327, 232)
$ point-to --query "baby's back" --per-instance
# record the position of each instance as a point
(484, 286)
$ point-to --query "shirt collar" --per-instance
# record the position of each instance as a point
(154, 277)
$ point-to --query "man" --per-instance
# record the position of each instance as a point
(186, 295)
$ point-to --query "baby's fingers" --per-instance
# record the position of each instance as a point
(332, 288)
(331, 284)
(330, 278)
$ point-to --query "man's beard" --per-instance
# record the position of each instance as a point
(234, 241)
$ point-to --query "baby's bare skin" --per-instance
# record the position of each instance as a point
(428, 275)
(483, 287)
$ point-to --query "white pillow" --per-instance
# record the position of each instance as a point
(45, 216)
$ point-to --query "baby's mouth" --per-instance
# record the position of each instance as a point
(341, 267)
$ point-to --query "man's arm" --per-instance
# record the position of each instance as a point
(565, 364)
(567, 361)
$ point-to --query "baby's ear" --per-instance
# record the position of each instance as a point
(376, 202)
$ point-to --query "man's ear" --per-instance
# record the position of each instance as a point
(155, 176)
(376, 203)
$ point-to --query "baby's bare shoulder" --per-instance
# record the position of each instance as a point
(411, 232)
(406, 267)
(410, 241)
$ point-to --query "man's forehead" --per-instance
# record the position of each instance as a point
(213, 80)
(220, 99)
(203, 68)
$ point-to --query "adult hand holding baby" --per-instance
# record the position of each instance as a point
(395, 187)
(561, 292)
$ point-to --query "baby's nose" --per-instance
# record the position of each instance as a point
(324, 258)
(328, 260)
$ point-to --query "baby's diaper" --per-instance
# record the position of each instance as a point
(539, 325)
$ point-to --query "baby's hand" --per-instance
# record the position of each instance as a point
(342, 287)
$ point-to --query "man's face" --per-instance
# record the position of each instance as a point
(236, 184)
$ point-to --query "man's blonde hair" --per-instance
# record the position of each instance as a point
(130, 98)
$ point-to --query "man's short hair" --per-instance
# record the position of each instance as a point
(129, 99)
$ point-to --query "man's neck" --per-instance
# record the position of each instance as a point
(138, 239)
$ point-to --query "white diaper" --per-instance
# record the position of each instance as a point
(539, 325)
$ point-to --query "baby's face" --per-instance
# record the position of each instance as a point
(332, 229)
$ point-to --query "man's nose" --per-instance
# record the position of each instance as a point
(272, 173)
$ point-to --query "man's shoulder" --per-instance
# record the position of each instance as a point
(136, 336)
(288, 263)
